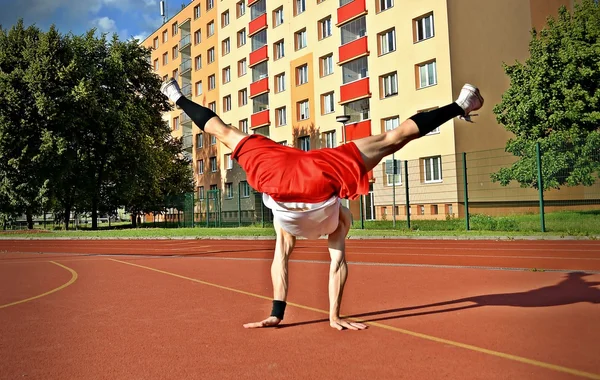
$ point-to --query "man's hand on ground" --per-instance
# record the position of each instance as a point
(340, 324)
(269, 322)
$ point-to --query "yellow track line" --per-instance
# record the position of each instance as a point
(71, 281)
(520, 359)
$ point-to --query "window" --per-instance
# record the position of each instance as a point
(391, 123)
(213, 164)
(165, 59)
(278, 17)
(280, 82)
(329, 138)
(387, 42)
(262, 131)
(198, 88)
(260, 71)
(242, 67)
(303, 110)
(176, 74)
(156, 64)
(196, 12)
(165, 37)
(300, 39)
(243, 126)
(389, 85)
(344, 2)
(199, 140)
(304, 143)
(225, 18)
(210, 4)
(201, 192)
(279, 49)
(258, 9)
(211, 82)
(280, 114)
(353, 30)
(393, 174)
(197, 36)
(326, 65)
(432, 168)
(228, 162)
(155, 43)
(176, 123)
(383, 5)
(427, 74)
(300, 7)
(227, 103)
(213, 107)
(327, 103)
(244, 189)
(241, 8)
(228, 190)
(258, 40)
(302, 75)
(174, 28)
(211, 55)
(226, 46)
(200, 166)
(325, 28)
(355, 70)
(358, 110)
(241, 37)
(211, 28)
(242, 97)
(198, 62)
(260, 103)
(423, 27)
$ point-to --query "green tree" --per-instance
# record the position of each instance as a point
(554, 99)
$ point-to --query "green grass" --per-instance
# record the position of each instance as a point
(558, 224)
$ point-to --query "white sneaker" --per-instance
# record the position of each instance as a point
(469, 100)
(171, 90)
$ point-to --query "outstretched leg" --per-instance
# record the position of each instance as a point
(374, 148)
(203, 117)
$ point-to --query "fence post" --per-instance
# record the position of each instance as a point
(239, 204)
(362, 216)
(540, 185)
(207, 207)
(262, 213)
(466, 191)
(407, 195)
(394, 191)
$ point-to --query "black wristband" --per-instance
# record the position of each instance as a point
(278, 309)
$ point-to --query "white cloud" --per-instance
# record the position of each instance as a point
(105, 24)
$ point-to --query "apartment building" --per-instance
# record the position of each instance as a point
(288, 68)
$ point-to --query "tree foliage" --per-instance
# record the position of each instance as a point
(81, 126)
(554, 100)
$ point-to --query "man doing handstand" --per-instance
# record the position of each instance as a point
(304, 188)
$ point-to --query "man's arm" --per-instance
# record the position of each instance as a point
(284, 246)
(338, 272)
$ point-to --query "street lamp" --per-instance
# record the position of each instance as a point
(343, 119)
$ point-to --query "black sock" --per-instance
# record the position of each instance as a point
(199, 114)
(430, 120)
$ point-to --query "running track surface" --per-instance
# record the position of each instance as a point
(174, 309)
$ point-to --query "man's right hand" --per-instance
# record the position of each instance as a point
(340, 324)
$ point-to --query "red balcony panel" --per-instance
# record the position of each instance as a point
(257, 24)
(250, 2)
(354, 49)
(355, 90)
(260, 119)
(259, 87)
(259, 55)
(358, 130)
(350, 11)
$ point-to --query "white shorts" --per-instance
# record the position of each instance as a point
(308, 220)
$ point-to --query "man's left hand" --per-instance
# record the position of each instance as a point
(269, 322)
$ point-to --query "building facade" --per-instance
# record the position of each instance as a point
(288, 68)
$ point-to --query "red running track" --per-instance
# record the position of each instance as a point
(126, 309)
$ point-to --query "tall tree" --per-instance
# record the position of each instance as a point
(554, 99)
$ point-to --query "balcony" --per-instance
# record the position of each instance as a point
(260, 119)
(185, 42)
(187, 142)
(187, 90)
(358, 130)
(259, 87)
(355, 90)
(352, 50)
(259, 55)
(185, 66)
(184, 118)
(250, 2)
(351, 11)
(257, 25)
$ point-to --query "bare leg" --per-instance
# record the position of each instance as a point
(338, 272)
(284, 246)
(374, 148)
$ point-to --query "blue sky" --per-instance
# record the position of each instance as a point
(127, 18)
